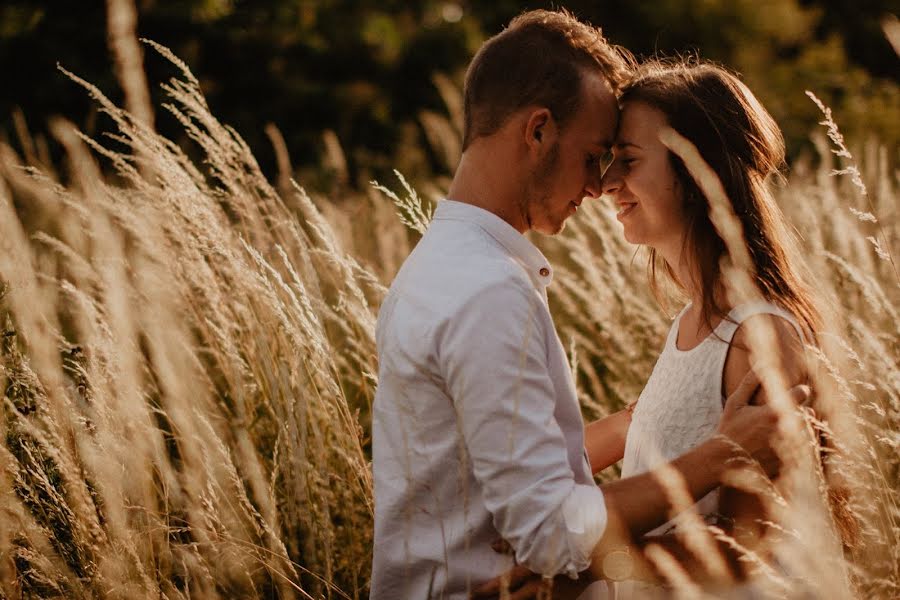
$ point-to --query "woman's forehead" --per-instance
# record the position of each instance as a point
(639, 122)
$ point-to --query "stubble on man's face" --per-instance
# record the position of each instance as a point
(535, 203)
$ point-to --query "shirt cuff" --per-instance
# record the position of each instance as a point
(584, 514)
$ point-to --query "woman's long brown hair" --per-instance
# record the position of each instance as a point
(742, 143)
(738, 138)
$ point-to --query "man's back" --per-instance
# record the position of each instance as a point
(476, 431)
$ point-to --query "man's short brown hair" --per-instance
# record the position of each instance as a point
(537, 60)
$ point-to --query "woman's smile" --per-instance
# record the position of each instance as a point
(625, 208)
(641, 181)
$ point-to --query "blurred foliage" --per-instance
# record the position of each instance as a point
(365, 69)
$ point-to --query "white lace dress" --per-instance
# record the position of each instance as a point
(678, 409)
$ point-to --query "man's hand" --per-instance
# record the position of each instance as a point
(754, 427)
(522, 584)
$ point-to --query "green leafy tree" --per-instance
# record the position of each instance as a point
(364, 71)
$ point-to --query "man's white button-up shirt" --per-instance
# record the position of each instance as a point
(477, 433)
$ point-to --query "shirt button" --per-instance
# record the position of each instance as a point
(545, 272)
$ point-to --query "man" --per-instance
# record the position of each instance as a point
(477, 433)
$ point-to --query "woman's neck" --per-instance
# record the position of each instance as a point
(720, 304)
(690, 278)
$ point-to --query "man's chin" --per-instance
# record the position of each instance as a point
(551, 228)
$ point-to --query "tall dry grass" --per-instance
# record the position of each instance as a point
(185, 360)
(188, 364)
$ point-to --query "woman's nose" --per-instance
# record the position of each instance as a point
(612, 179)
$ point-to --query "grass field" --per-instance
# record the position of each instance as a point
(188, 362)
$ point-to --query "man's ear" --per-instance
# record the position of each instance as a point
(540, 130)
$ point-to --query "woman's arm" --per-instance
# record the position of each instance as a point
(604, 439)
(743, 511)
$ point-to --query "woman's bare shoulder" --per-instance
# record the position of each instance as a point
(785, 352)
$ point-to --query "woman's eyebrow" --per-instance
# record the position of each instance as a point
(623, 145)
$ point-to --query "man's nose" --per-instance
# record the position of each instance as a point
(593, 188)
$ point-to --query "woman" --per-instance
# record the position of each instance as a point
(707, 351)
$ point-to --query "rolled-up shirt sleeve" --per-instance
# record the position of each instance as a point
(494, 352)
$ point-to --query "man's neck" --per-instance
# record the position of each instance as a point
(485, 178)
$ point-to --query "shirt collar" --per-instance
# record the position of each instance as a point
(518, 246)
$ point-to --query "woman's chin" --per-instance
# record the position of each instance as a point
(637, 237)
(631, 237)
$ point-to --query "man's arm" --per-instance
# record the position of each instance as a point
(638, 504)
(742, 510)
(634, 506)
(493, 356)
(643, 502)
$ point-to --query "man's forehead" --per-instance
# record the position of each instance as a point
(597, 130)
(600, 103)
(598, 125)
(607, 142)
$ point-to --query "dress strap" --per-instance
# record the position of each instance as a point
(741, 313)
(672, 337)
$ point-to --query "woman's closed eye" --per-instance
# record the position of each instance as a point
(626, 161)
(623, 155)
